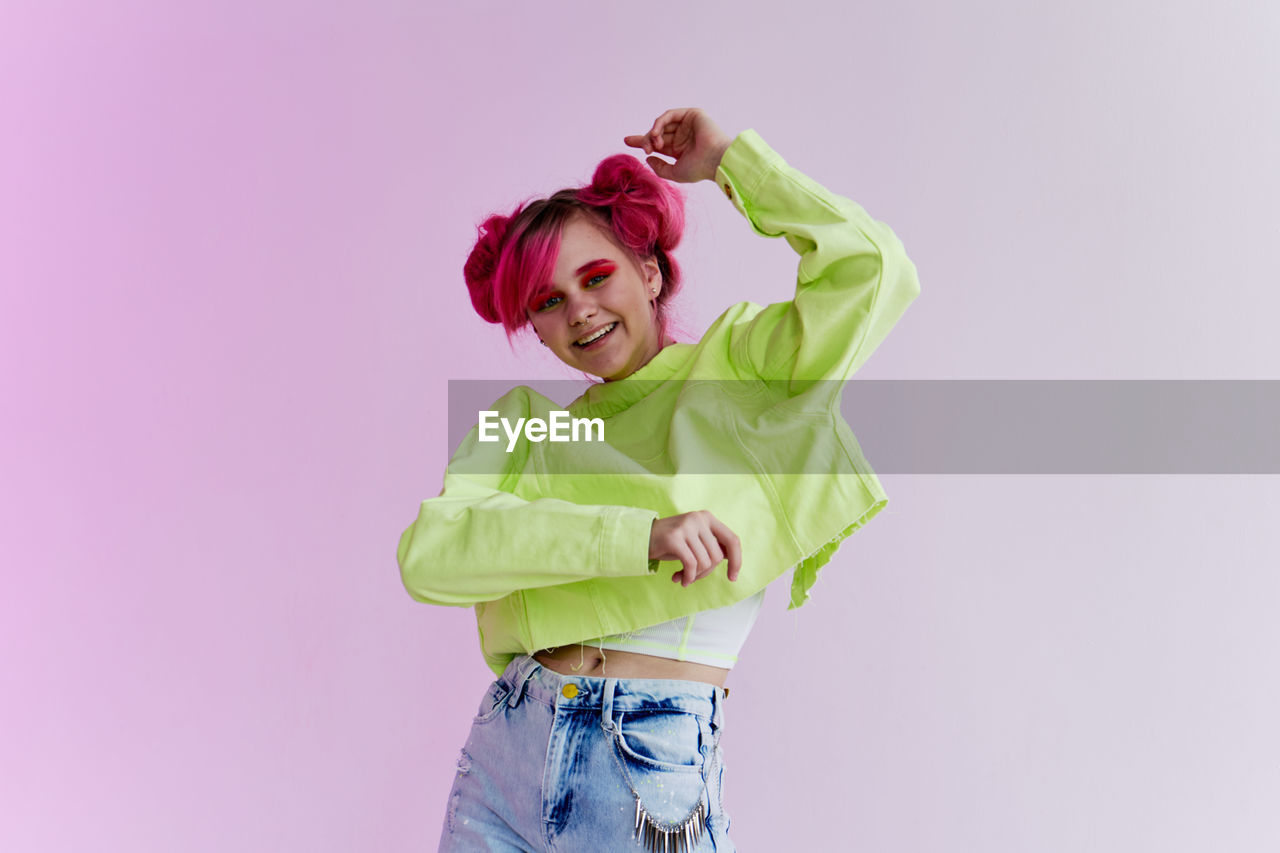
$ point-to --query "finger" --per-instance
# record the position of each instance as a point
(665, 139)
(660, 123)
(674, 141)
(655, 132)
(690, 563)
(704, 559)
(732, 547)
(713, 549)
(638, 140)
(660, 167)
(683, 137)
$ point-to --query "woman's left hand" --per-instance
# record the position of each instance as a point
(689, 135)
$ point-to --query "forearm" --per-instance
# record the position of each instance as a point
(853, 282)
(468, 546)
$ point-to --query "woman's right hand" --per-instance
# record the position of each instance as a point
(699, 540)
(690, 136)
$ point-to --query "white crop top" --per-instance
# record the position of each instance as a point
(713, 637)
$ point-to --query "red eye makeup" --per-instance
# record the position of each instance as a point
(585, 273)
(597, 268)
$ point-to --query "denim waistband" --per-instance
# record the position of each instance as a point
(526, 677)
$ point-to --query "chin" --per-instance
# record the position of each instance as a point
(616, 371)
(609, 375)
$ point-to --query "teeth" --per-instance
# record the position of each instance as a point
(597, 335)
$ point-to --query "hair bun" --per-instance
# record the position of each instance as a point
(482, 264)
(647, 211)
(617, 177)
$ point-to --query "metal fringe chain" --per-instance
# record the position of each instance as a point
(656, 837)
(680, 837)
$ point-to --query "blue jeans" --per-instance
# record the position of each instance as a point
(568, 763)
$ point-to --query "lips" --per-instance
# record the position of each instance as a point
(595, 335)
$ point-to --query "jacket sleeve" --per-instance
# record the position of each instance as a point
(478, 541)
(854, 279)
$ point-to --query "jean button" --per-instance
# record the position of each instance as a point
(569, 691)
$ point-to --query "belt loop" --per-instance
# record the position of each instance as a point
(606, 704)
(523, 673)
(718, 695)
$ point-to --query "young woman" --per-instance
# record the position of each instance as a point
(602, 729)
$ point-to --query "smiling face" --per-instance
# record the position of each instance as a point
(597, 288)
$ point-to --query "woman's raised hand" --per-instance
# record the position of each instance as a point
(690, 136)
(699, 540)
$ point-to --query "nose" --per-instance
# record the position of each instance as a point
(582, 307)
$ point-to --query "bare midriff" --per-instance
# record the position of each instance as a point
(589, 661)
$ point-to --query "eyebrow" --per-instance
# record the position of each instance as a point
(589, 264)
(550, 287)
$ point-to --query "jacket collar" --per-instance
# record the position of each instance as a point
(607, 398)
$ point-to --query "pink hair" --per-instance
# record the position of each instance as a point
(514, 257)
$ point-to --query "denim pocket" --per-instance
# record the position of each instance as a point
(661, 740)
(494, 700)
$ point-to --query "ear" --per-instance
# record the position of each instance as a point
(652, 278)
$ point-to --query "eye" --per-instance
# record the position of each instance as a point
(550, 302)
(591, 282)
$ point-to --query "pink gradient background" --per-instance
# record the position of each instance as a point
(231, 240)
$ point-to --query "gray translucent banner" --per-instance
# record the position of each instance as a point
(986, 426)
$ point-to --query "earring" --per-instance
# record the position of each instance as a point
(541, 341)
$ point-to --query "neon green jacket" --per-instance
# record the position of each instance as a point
(550, 541)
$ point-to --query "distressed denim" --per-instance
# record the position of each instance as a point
(567, 763)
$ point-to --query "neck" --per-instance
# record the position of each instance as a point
(667, 341)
